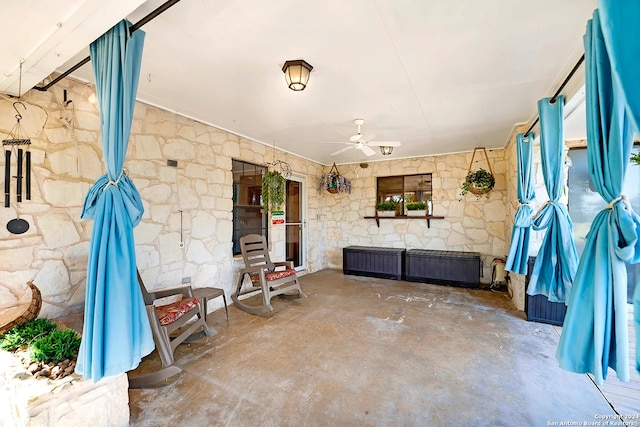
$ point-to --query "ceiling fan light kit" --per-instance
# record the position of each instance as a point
(360, 143)
(297, 73)
(386, 150)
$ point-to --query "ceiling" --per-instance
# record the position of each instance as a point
(440, 76)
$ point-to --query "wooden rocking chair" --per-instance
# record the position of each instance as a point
(266, 276)
(165, 320)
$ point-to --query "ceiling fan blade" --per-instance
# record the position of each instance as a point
(368, 151)
(342, 150)
(385, 143)
(336, 142)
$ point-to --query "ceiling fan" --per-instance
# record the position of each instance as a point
(358, 142)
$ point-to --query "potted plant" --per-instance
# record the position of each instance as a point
(273, 190)
(478, 182)
(333, 182)
(416, 209)
(636, 158)
(386, 208)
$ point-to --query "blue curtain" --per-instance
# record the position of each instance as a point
(619, 20)
(557, 259)
(595, 332)
(116, 333)
(521, 231)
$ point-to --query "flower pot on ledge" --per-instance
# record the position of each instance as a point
(417, 213)
(386, 214)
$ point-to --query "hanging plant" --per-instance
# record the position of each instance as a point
(333, 182)
(273, 190)
(478, 182)
(636, 158)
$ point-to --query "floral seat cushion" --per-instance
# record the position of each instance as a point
(273, 275)
(171, 312)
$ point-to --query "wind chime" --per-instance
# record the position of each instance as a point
(13, 143)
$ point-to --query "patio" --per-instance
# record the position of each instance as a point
(365, 351)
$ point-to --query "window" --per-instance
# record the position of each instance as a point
(585, 203)
(248, 215)
(404, 189)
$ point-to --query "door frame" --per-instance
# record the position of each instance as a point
(303, 220)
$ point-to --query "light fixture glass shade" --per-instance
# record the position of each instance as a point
(386, 150)
(296, 73)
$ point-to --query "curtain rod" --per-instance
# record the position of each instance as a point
(149, 17)
(555, 95)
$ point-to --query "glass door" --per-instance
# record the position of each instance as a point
(295, 222)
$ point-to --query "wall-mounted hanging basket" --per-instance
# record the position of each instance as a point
(478, 181)
(333, 182)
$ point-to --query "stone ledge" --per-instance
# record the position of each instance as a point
(70, 401)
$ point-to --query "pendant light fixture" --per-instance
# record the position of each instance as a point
(296, 73)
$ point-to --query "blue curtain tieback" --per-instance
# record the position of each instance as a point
(548, 202)
(622, 197)
(112, 182)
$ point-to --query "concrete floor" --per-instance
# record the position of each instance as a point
(372, 352)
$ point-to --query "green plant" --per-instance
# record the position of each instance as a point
(23, 335)
(478, 182)
(58, 345)
(416, 206)
(273, 190)
(386, 206)
(636, 158)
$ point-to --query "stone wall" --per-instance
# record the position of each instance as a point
(195, 199)
(469, 224)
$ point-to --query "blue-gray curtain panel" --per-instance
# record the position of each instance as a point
(619, 20)
(116, 333)
(557, 260)
(521, 231)
(595, 332)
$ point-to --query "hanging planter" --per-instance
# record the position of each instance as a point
(273, 190)
(478, 181)
(333, 182)
(635, 158)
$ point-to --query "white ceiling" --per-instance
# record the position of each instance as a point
(440, 76)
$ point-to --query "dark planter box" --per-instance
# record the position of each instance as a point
(539, 308)
(443, 267)
(386, 263)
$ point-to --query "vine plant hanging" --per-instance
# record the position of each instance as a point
(333, 182)
(478, 181)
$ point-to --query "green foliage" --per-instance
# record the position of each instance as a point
(273, 190)
(386, 206)
(478, 182)
(25, 334)
(416, 206)
(58, 345)
(636, 158)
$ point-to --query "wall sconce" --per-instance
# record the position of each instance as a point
(386, 150)
(296, 73)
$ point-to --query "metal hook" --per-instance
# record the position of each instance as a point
(18, 115)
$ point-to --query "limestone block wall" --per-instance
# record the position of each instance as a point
(191, 202)
(470, 224)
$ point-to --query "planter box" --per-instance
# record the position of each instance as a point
(386, 213)
(538, 307)
(386, 263)
(417, 213)
(443, 267)
(70, 401)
